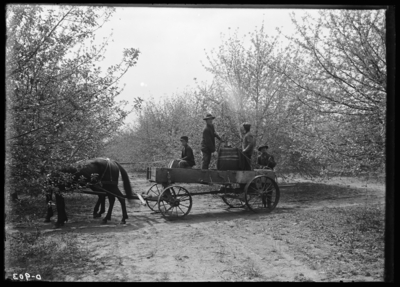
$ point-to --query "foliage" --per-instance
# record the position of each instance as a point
(61, 105)
(319, 101)
(155, 138)
(44, 255)
(338, 73)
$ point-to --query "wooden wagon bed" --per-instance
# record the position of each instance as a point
(256, 189)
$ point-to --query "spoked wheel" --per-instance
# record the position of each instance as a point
(154, 191)
(234, 200)
(262, 194)
(174, 202)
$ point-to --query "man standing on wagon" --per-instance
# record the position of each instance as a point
(248, 145)
(208, 142)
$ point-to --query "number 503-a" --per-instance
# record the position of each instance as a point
(26, 276)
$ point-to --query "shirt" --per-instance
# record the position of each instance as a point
(248, 144)
(187, 154)
(208, 142)
(266, 160)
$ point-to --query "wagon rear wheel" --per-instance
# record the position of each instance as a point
(154, 191)
(234, 200)
(174, 202)
(262, 194)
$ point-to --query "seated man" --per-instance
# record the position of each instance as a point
(265, 160)
(187, 160)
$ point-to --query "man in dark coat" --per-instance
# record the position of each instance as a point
(248, 145)
(208, 142)
(265, 160)
(187, 158)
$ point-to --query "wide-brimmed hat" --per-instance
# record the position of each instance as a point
(185, 138)
(209, 116)
(262, 146)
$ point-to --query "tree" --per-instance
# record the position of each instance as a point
(248, 87)
(338, 72)
(154, 140)
(61, 104)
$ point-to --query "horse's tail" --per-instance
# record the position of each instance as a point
(127, 183)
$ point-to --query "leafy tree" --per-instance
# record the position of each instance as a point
(338, 72)
(61, 104)
(154, 140)
(248, 87)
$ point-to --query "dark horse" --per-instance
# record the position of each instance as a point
(108, 172)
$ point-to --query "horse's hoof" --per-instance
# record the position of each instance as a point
(104, 221)
(96, 215)
(58, 225)
(122, 222)
(46, 220)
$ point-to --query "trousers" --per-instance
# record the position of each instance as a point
(246, 161)
(205, 162)
(184, 164)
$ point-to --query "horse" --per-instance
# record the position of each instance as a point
(108, 181)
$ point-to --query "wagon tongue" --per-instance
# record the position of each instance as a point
(141, 198)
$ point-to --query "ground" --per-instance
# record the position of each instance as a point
(320, 231)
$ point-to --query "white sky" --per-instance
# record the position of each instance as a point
(173, 42)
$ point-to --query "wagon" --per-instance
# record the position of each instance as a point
(257, 189)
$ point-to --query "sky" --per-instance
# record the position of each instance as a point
(173, 43)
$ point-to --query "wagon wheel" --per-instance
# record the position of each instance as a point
(154, 191)
(262, 194)
(174, 202)
(234, 200)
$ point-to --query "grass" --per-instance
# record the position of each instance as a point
(250, 272)
(345, 242)
(37, 253)
(41, 253)
(29, 210)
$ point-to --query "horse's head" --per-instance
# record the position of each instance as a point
(62, 179)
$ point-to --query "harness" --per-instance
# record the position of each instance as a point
(100, 182)
(110, 182)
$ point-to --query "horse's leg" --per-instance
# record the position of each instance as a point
(96, 208)
(49, 208)
(123, 205)
(62, 215)
(102, 199)
(100, 203)
(111, 199)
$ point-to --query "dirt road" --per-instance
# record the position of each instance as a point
(214, 243)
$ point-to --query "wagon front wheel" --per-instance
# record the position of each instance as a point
(262, 194)
(174, 202)
(154, 192)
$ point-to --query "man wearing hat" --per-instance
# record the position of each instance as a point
(248, 145)
(265, 160)
(187, 158)
(208, 142)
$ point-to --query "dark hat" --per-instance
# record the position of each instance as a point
(246, 124)
(209, 116)
(185, 138)
(262, 146)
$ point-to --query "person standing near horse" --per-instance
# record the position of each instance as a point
(248, 144)
(265, 160)
(187, 158)
(82, 174)
(208, 142)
